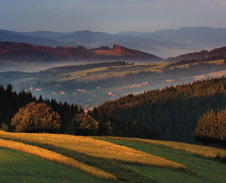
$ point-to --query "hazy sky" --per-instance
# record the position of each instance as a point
(110, 16)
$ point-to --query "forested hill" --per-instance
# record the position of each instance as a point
(217, 53)
(173, 111)
(24, 52)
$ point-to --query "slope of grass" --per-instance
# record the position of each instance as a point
(123, 172)
(205, 170)
(204, 151)
(96, 148)
(55, 157)
(18, 167)
(92, 152)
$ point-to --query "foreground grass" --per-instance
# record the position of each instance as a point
(55, 157)
(18, 167)
(205, 170)
(124, 173)
(96, 148)
(204, 151)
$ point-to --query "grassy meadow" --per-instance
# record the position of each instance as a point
(205, 169)
(121, 159)
(21, 167)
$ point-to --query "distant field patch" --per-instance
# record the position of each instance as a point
(220, 61)
(107, 53)
(212, 74)
(80, 74)
(107, 72)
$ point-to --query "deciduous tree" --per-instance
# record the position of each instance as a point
(36, 118)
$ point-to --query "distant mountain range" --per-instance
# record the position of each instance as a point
(164, 43)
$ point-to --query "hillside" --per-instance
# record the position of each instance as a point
(117, 160)
(217, 53)
(172, 112)
(24, 52)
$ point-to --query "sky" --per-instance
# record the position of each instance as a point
(110, 16)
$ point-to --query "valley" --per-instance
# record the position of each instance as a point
(94, 84)
(112, 91)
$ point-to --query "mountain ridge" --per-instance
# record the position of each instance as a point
(165, 43)
(27, 52)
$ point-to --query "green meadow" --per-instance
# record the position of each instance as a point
(205, 170)
(17, 166)
(21, 167)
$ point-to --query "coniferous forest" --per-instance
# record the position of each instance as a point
(171, 113)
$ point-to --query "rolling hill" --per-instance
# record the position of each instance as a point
(24, 52)
(173, 162)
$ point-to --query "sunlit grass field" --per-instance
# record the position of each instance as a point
(20, 167)
(205, 169)
(130, 159)
(55, 157)
(204, 151)
(95, 148)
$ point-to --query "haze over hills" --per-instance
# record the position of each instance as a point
(164, 43)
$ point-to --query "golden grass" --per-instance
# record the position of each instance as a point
(80, 74)
(96, 148)
(58, 158)
(204, 151)
(218, 62)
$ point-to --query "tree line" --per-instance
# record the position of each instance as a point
(21, 112)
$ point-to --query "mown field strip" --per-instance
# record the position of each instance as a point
(96, 148)
(207, 152)
(58, 158)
